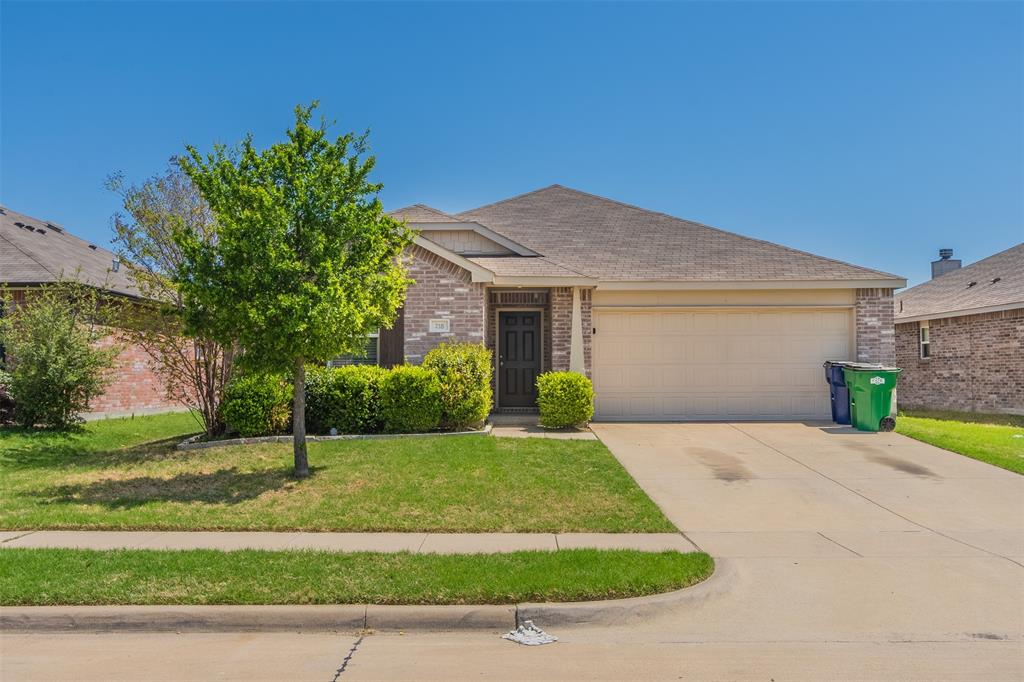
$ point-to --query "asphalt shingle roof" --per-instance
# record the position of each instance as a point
(609, 240)
(421, 213)
(953, 293)
(35, 251)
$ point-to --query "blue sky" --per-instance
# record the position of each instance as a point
(870, 132)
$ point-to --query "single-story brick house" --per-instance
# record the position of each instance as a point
(36, 252)
(960, 336)
(672, 319)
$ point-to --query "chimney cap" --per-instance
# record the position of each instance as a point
(945, 254)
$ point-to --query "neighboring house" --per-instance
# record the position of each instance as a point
(34, 253)
(672, 319)
(960, 336)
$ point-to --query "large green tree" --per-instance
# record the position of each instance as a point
(305, 264)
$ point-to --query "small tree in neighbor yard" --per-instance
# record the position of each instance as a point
(194, 370)
(55, 355)
(306, 262)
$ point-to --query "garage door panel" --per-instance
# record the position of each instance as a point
(757, 364)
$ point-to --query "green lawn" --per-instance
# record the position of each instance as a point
(72, 576)
(996, 439)
(126, 474)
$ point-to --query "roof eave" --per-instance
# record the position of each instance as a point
(544, 280)
(965, 312)
(669, 285)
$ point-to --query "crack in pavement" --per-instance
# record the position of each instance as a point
(348, 659)
(18, 537)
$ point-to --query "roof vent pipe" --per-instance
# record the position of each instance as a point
(945, 263)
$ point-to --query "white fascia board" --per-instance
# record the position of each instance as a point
(960, 313)
(477, 272)
(545, 281)
(481, 230)
(661, 285)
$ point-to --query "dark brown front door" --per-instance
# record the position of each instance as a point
(518, 358)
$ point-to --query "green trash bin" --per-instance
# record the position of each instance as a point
(871, 388)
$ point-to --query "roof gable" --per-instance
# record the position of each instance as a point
(998, 282)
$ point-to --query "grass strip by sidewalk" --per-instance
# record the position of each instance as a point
(79, 577)
(1000, 444)
(123, 474)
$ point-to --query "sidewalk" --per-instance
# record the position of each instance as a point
(423, 543)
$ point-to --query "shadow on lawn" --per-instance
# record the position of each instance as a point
(66, 448)
(225, 486)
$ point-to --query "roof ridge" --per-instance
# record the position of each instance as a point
(512, 198)
(691, 222)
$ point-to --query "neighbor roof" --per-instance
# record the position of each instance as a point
(34, 251)
(611, 241)
(998, 284)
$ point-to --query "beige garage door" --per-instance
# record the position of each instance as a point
(679, 364)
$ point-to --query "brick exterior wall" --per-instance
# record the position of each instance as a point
(976, 364)
(561, 327)
(136, 388)
(876, 338)
(442, 290)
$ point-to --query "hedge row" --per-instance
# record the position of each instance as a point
(451, 390)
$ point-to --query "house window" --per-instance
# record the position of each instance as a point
(369, 355)
(926, 342)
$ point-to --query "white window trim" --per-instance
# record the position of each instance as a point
(924, 330)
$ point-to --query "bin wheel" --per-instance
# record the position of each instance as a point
(887, 424)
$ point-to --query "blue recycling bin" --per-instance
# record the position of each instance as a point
(838, 391)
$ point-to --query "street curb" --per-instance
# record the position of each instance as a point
(330, 618)
(192, 444)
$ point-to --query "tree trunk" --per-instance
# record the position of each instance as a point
(299, 420)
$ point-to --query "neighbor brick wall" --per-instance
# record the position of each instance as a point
(876, 338)
(135, 386)
(976, 364)
(561, 327)
(442, 290)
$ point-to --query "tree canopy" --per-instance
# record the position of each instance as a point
(305, 264)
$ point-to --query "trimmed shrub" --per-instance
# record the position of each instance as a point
(410, 400)
(464, 371)
(344, 398)
(565, 399)
(257, 405)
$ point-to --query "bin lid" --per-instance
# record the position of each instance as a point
(868, 367)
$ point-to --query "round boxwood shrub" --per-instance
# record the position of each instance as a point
(343, 398)
(464, 371)
(257, 405)
(565, 399)
(409, 400)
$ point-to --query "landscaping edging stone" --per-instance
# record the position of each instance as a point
(194, 444)
(333, 618)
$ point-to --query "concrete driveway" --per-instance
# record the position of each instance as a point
(843, 556)
(837, 535)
